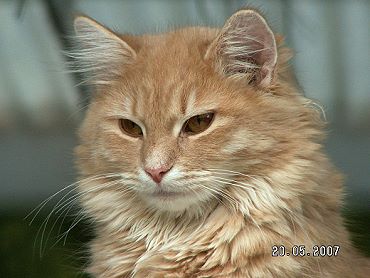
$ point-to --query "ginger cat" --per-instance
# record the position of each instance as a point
(200, 157)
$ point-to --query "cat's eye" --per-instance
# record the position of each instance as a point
(198, 124)
(130, 128)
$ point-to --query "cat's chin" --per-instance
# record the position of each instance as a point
(170, 201)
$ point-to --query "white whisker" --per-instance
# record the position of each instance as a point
(64, 205)
(83, 181)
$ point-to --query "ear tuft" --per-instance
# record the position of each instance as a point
(245, 49)
(99, 52)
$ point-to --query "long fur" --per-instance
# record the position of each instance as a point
(257, 177)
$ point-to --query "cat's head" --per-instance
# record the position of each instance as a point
(181, 119)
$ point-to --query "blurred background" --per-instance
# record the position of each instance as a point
(41, 107)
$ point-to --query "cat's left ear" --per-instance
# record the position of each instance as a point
(245, 49)
(100, 52)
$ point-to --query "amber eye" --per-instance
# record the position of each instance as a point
(198, 124)
(130, 128)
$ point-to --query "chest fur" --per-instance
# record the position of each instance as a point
(230, 247)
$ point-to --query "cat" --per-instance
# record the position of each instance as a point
(199, 156)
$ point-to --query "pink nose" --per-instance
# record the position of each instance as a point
(157, 173)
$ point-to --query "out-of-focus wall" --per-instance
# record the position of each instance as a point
(39, 109)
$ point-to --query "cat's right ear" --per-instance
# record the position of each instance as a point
(99, 52)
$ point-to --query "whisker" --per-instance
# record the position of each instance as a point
(213, 194)
(225, 171)
(220, 193)
(80, 216)
(234, 182)
(65, 205)
(45, 222)
(83, 181)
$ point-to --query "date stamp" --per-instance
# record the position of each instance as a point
(302, 251)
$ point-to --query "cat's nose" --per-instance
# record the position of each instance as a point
(157, 173)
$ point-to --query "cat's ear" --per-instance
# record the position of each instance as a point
(245, 48)
(99, 52)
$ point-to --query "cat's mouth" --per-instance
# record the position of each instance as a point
(161, 193)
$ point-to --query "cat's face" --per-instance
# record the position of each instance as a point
(180, 118)
(161, 103)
